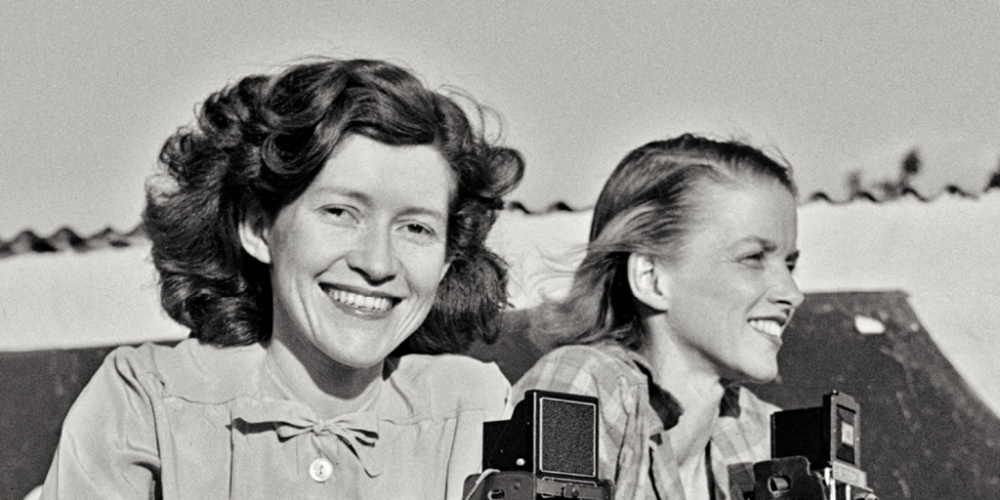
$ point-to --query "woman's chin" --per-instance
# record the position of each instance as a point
(359, 362)
(757, 375)
(763, 377)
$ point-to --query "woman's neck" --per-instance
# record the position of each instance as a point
(302, 373)
(699, 391)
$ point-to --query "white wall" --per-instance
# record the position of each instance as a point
(945, 253)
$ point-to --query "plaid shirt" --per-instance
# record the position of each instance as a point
(636, 418)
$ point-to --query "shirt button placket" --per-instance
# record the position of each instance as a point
(321, 470)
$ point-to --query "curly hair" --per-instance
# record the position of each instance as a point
(258, 144)
(647, 206)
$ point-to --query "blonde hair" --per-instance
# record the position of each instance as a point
(647, 206)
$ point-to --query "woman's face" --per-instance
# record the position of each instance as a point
(356, 260)
(732, 292)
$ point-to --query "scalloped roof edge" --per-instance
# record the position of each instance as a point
(66, 239)
(818, 196)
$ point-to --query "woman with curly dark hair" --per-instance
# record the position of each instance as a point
(312, 227)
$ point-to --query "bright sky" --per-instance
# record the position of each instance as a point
(91, 89)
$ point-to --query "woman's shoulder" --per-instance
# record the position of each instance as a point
(447, 384)
(605, 371)
(442, 368)
(190, 369)
(604, 355)
(597, 361)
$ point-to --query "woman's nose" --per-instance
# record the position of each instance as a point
(787, 290)
(373, 257)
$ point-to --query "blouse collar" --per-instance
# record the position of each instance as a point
(359, 431)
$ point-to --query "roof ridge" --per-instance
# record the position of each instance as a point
(907, 192)
(65, 238)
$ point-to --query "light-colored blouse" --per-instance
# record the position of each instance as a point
(197, 421)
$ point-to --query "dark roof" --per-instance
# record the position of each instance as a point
(924, 431)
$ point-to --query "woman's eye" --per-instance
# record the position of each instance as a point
(338, 214)
(419, 229)
(754, 259)
(790, 264)
(419, 232)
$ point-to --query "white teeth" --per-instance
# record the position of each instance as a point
(361, 301)
(766, 326)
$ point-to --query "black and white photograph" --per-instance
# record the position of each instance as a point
(483, 250)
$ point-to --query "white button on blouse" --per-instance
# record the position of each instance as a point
(320, 470)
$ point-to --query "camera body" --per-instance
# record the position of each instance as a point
(518, 485)
(548, 449)
(816, 454)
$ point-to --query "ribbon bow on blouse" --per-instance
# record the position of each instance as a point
(359, 431)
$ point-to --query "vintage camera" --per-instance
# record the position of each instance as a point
(548, 449)
(817, 454)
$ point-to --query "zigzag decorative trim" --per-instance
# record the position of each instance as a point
(819, 196)
(66, 239)
(949, 190)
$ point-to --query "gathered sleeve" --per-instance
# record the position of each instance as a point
(487, 398)
(108, 446)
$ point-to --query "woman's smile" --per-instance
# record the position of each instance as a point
(364, 304)
(768, 327)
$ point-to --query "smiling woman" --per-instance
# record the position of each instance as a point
(322, 233)
(355, 260)
(681, 299)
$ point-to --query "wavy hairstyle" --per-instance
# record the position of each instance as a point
(258, 144)
(648, 206)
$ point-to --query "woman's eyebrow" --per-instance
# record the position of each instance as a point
(430, 212)
(366, 200)
(767, 245)
(764, 243)
(349, 193)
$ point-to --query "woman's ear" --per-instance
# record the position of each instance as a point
(444, 270)
(648, 281)
(253, 236)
